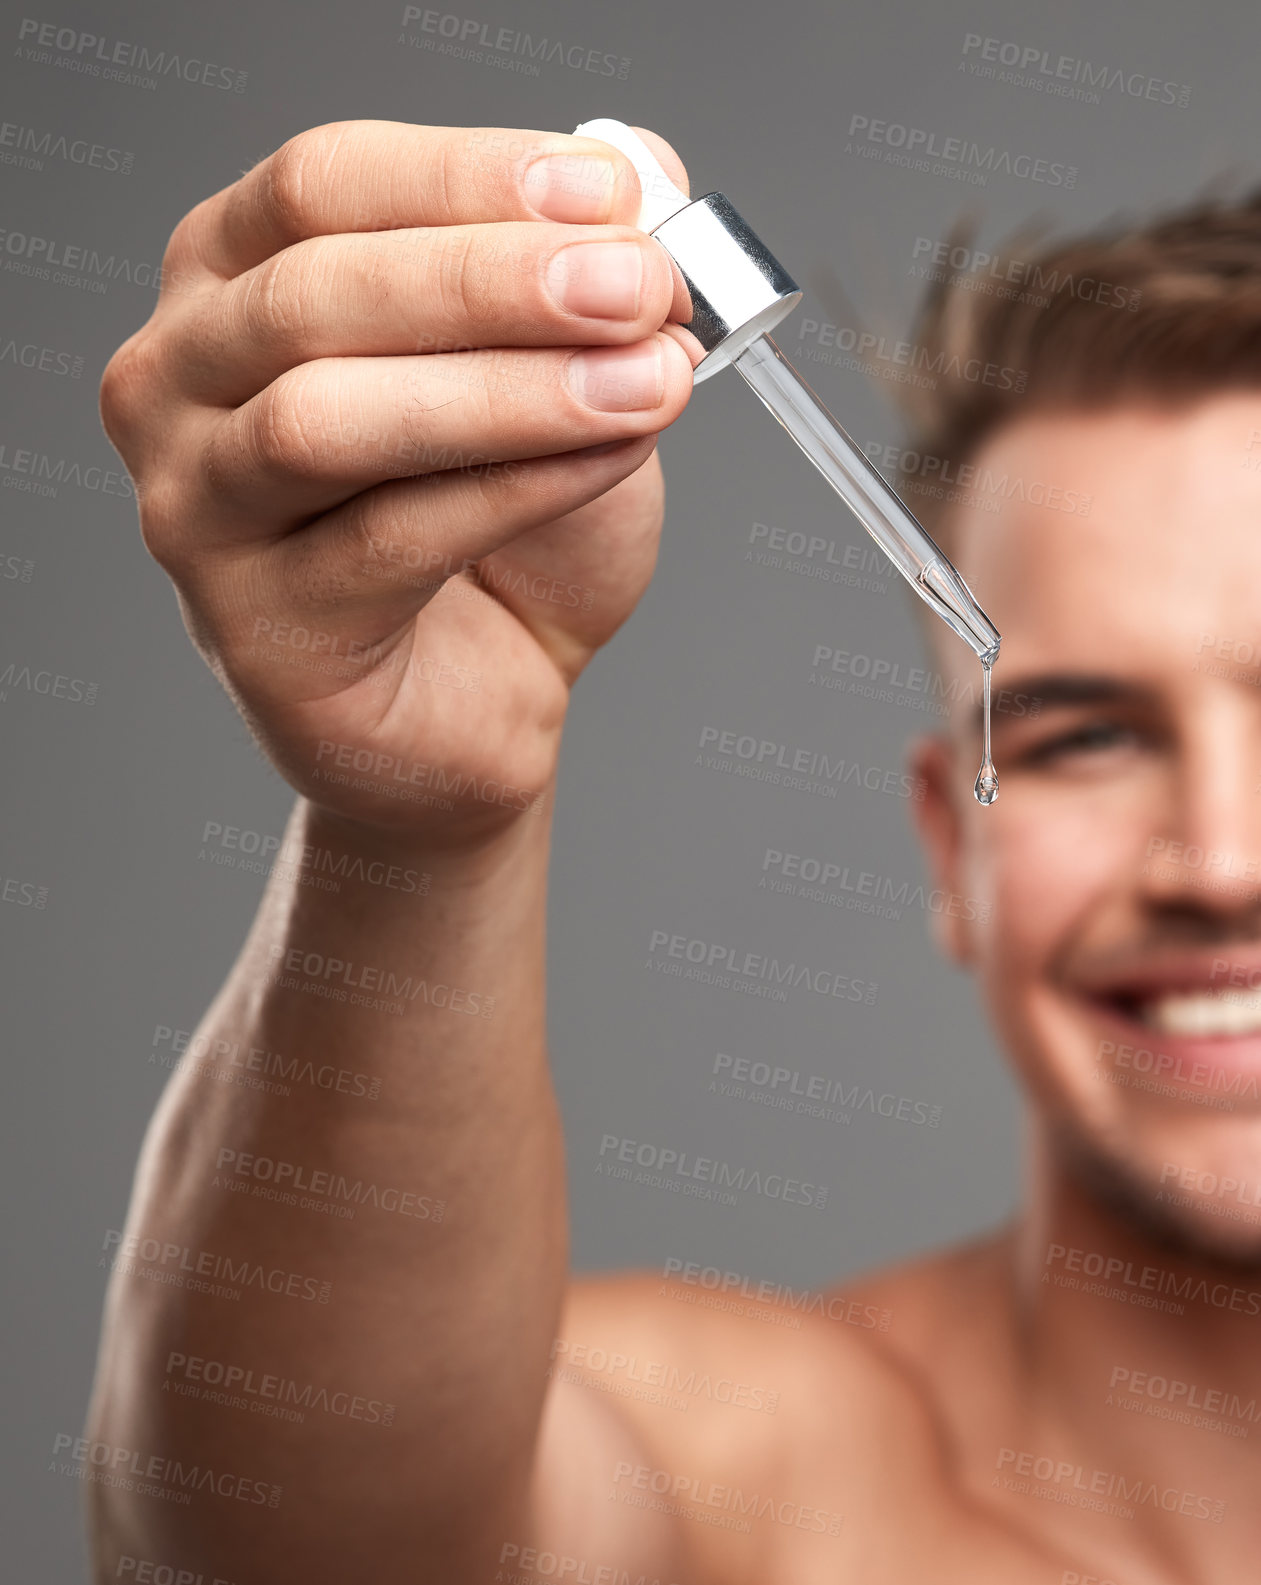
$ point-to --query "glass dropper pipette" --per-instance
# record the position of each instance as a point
(867, 494)
(739, 292)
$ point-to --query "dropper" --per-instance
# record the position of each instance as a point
(739, 292)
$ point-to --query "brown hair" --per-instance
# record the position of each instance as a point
(1163, 312)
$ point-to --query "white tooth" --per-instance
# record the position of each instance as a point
(1224, 1012)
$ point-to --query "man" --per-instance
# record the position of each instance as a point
(395, 376)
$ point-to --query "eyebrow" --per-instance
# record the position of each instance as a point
(1067, 688)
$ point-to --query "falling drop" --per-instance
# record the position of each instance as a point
(985, 787)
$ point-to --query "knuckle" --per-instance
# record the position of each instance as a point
(449, 174)
(294, 174)
(159, 517)
(127, 385)
(286, 424)
(288, 184)
(181, 267)
(373, 543)
(114, 393)
(456, 282)
(275, 307)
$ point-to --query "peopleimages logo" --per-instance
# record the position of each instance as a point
(1144, 1281)
(322, 1185)
(31, 148)
(789, 1089)
(23, 894)
(16, 569)
(764, 1300)
(254, 1067)
(674, 1492)
(1029, 66)
(56, 685)
(263, 853)
(532, 1564)
(47, 360)
(274, 1397)
(340, 980)
(507, 48)
(959, 158)
(664, 1167)
(182, 1266)
(655, 1381)
(923, 472)
(804, 875)
(132, 1470)
(146, 1572)
(814, 556)
(805, 770)
(977, 269)
(48, 259)
(95, 56)
(1168, 1397)
(35, 472)
(903, 359)
(752, 972)
(1076, 1485)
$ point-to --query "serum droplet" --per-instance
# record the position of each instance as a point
(986, 785)
(985, 788)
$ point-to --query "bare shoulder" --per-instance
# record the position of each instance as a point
(717, 1342)
(942, 1311)
(781, 1420)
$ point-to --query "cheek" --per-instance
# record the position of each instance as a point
(1045, 862)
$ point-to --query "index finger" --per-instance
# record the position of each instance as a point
(351, 176)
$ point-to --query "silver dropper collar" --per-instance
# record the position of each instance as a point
(739, 288)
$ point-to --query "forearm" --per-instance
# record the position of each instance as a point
(434, 1209)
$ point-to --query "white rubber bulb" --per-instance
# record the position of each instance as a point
(661, 198)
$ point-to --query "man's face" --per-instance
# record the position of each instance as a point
(1121, 957)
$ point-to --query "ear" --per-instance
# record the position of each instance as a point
(938, 825)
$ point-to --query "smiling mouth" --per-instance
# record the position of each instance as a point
(1203, 1014)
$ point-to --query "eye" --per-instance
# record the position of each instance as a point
(1087, 738)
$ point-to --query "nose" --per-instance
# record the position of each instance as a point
(1206, 855)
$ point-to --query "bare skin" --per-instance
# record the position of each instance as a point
(438, 517)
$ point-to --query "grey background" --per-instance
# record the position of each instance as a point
(104, 805)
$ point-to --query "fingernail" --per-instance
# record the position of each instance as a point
(618, 379)
(575, 188)
(598, 279)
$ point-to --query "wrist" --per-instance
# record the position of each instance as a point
(324, 842)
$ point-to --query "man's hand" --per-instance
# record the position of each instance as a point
(392, 427)
(361, 423)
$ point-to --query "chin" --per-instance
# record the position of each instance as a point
(1134, 1188)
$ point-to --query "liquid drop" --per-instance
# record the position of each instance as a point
(985, 787)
